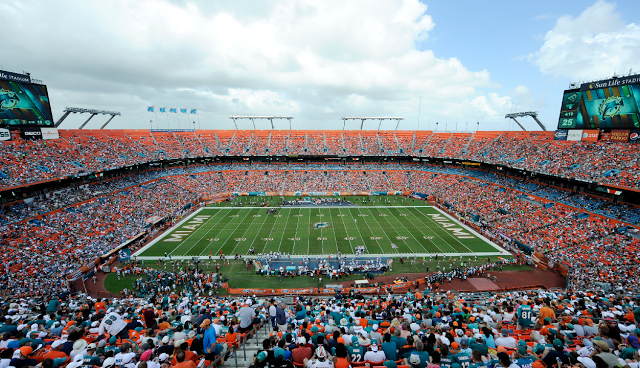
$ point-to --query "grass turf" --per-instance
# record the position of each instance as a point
(231, 228)
(240, 277)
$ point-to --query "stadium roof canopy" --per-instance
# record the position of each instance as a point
(253, 117)
(363, 118)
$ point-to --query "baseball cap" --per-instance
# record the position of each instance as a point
(262, 356)
(92, 346)
(537, 364)
(354, 339)
(601, 344)
(206, 323)
(146, 355)
(302, 341)
(390, 364)
(113, 340)
(163, 357)
(588, 362)
(414, 359)
(522, 350)
(557, 343)
(633, 341)
(320, 352)
(56, 343)
(455, 345)
(109, 362)
(165, 340)
(26, 350)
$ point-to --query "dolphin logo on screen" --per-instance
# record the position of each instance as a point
(321, 225)
(611, 106)
(8, 100)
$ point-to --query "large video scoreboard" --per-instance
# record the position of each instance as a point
(607, 104)
(23, 103)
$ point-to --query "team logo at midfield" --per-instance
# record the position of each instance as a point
(8, 100)
(321, 225)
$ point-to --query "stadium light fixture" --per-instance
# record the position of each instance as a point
(363, 118)
(253, 117)
(533, 114)
(79, 110)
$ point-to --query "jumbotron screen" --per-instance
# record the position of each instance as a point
(608, 104)
(23, 103)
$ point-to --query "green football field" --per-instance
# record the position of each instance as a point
(414, 230)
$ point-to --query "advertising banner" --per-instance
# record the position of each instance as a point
(605, 137)
(620, 135)
(590, 135)
(5, 134)
(31, 133)
(634, 136)
(560, 135)
(574, 135)
(50, 133)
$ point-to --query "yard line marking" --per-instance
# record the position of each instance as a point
(385, 233)
(410, 232)
(295, 236)
(423, 234)
(309, 233)
(256, 237)
(341, 215)
(334, 230)
(234, 230)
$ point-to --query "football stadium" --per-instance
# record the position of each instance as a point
(296, 244)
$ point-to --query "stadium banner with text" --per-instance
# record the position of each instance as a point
(605, 136)
(620, 135)
(574, 135)
(31, 133)
(590, 135)
(13, 77)
(5, 134)
(634, 136)
(560, 135)
(50, 133)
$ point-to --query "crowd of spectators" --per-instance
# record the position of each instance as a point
(62, 230)
(182, 328)
(26, 161)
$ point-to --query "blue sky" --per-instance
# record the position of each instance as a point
(499, 35)
(318, 60)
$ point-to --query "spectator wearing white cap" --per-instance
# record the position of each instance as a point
(56, 351)
(375, 354)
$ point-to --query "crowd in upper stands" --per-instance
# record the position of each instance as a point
(60, 231)
(79, 152)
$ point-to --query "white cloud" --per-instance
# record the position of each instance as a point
(317, 60)
(593, 45)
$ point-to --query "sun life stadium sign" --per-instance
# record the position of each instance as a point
(21, 78)
(613, 82)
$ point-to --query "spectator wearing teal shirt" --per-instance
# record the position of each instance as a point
(389, 347)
